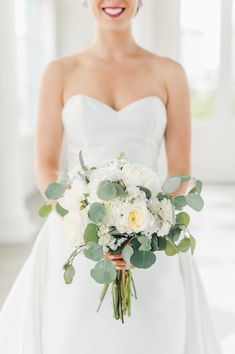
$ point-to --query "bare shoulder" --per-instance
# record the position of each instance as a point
(169, 67)
(173, 75)
(60, 67)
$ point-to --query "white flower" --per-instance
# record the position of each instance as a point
(135, 217)
(165, 210)
(139, 175)
(72, 196)
(74, 226)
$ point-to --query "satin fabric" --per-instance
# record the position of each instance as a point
(42, 315)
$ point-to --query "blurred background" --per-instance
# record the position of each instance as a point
(200, 34)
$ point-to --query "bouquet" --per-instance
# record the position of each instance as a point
(121, 208)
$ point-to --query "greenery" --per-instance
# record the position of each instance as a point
(136, 249)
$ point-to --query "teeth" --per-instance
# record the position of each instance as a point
(114, 11)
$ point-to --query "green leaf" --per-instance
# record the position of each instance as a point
(195, 201)
(192, 244)
(69, 273)
(55, 191)
(180, 202)
(154, 243)
(171, 248)
(146, 191)
(183, 218)
(82, 161)
(63, 176)
(185, 178)
(121, 192)
(104, 272)
(45, 210)
(199, 186)
(127, 252)
(171, 184)
(90, 233)
(61, 211)
(143, 259)
(106, 190)
(93, 251)
(96, 212)
(184, 245)
(145, 243)
(174, 234)
(162, 243)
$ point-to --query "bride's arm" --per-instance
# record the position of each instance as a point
(178, 132)
(49, 128)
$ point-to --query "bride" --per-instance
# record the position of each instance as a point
(112, 96)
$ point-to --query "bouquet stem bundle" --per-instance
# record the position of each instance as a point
(123, 288)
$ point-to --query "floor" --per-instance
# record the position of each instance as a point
(214, 229)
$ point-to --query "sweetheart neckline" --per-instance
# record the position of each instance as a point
(136, 102)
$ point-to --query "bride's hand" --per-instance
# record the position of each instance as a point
(118, 261)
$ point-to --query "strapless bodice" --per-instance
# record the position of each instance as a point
(102, 132)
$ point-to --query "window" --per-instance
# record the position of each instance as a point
(200, 53)
(34, 27)
(233, 60)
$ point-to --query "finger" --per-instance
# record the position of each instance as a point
(120, 262)
(113, 256)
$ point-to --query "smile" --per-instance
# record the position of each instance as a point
(113, 11)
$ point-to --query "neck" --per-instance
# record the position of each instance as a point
(114, 44)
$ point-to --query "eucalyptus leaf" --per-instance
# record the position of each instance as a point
(184, 245)
(93, 251)
(96, 212)
(162, 243)
(82, 161)
(121, 192)
(106, 190)
(55, 191)
(90, 233)
(61, 211)
(45, 210)
(183, 219)
(104, 272)
(127, 252)
(143, 259)
(192, 244)
(171, 184)
(145, 243)
(69, 273)
(154, 243)
(195, 201)
(63, 176)
(185, 178)
(174, 234)
(199, 186)
(180, 202)
(171, 248)
(146, 191)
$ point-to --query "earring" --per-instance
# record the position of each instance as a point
(85, 3)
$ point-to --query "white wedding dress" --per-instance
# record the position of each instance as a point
(42, 315)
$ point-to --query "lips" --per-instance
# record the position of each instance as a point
(113, 11)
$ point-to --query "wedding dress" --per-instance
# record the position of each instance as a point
(42, 315)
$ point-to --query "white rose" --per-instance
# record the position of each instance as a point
(139, 175)
(75, 223)
(135, 218)
(72, 196)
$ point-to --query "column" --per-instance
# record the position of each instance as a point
(14, 224)
(156, 27)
